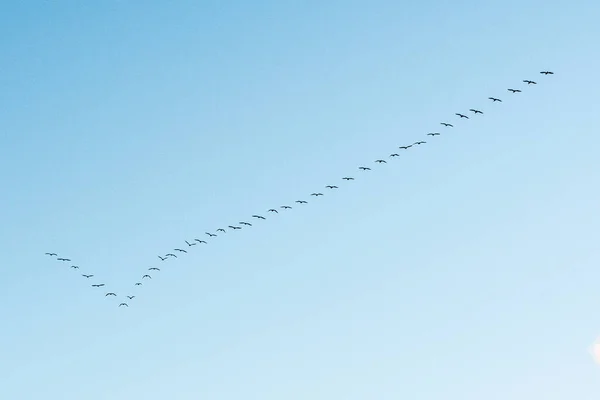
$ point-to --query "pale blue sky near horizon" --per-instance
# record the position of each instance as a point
(466, 268)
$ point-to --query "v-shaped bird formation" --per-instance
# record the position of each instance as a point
(191, 243)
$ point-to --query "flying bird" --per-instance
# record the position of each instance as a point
(495, 99)
(380, 161)
(200, 241)
(130, 297)
(98, 285)
(273, 210)
(331, 187)
(316, 194)
(171, 255)
(475, 111)
(461, 115)
(420, 142)
(181, 250)
(221, 230)
(123, 304)
(447, 124)
(190, 244)
(258, 216)
(146, 276)
(86, 276)
(234, 227)
(245, 223)
(514, 90)
(395, 155)
(530, 82)
(162, 258)
(210, 234)
(74, 267)
(405, 147)
(138, 284)
(153, 269)
(51, 254)
(301, 202)
(63, 259)
(286, 207)
(347, 178)
(547, 72)
(433, 134)
(110, 294)
(365, 168)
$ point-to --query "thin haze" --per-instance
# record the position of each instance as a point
(467, 268)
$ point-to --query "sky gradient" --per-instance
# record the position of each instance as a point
(466, 268)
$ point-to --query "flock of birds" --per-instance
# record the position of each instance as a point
(189, 244)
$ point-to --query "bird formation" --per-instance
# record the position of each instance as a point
(190, 243)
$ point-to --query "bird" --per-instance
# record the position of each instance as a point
(347, 178)
(110, 294)
(547, 73)
(461, 115)
(258, 216)
(301, 201)
(210, 234)
(153, 269)
(495, 99)
(123, 304)
(245, 223)
(395, 155)
(190, 244)
(475, 111)
(405, 147)
(286, 207)
(514, 90)
(420, 142)
(365, 168)
(171, 255)
(51, 254)
(530, 82)
(162, 258)
(316, 194)
(380, 161)
(433, 134)
(63, 259)
(130, 297)
(234, 227)
(146, 276)
(447, 124)
(221, 230)
(86, 276)
(138, 284)
(331, 187)
(200, 241)
(74, 267)
(181, 250)
(273, 210)
(98, 285)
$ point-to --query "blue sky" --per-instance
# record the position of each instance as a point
(465, 268)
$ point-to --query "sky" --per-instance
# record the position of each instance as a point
(465, 268)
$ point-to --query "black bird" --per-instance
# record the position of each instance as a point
(234, 227)
(475, 111)
(461, 115)
(153, 269)
(86, 276)
(181, 250)
(123, 304)
(514, 90)
(365, 168)
(316, 194)
(405, 147)
(146, 276)
(286, 207)
(245, 223)
(301, 202)
(63, 259)
(210, 234)
(110, 294)
(51, 254)
(200, 241)
(273, 210)
(258, 216)
(420, 142)
(162, 258)
(74, 267)
(446, 124)
(190, 244)
(130, 297)
(331, 187)
(495, 99)
(171, 255)
(98, 285)
(347, 178)
(380, 161)
(395, 155)
(221, 230)
(547, 73)
(138, 284)
(433, 134)
(530, 82)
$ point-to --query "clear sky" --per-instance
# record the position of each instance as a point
(466, 268)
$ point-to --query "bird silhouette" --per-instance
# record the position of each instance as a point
(514, 90)
(51, 254)
(316, 194)
(286, 207)
(130, 297)
(245, 223)
(433, 134)
(153, 269)
(170, 255)
(331, 187)
(273, 210)
(420, 142)
(98, 285)
(146, 276)
(138, 284)
(301, 201)
(87, 276)
(180, 250)
(461, 115)
(380, 161)
(221, 230)
(527, 81)
(74, 267)
(395, 155)
(123, 304)
(210, 234)
(63, 259)
(258, 216)
(190, 244)
(234, 227)
(476, 111)
(201, 241)
(162, 258)
(110, 294)
(446, 124)
(347, 178)
(547, 73)
(405, 147)
(365, 168)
